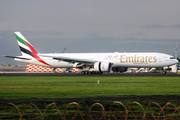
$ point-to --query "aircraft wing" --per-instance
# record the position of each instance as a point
(19, 57)
(69, 59)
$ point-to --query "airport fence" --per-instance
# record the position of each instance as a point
(92, 111)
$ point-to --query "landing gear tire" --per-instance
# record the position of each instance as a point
(93, 72)
(164, 72)
(84, 72)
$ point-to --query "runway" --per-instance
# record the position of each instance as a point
(79, 74)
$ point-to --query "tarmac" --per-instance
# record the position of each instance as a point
(79, 74)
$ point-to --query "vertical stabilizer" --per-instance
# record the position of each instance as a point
(26, 48)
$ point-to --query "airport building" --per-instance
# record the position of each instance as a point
(8, 67)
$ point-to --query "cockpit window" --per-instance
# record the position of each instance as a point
(172, 58)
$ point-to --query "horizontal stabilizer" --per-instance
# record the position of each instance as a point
(19, 57)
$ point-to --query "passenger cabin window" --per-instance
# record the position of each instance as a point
(172, 58)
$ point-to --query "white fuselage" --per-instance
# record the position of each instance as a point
(117, 59)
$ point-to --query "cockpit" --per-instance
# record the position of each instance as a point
(172, 57)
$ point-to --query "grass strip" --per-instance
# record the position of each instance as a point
(20, 87)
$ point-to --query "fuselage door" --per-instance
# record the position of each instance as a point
(98, 58)
(160, 59)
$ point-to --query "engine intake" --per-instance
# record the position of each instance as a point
(102, 66)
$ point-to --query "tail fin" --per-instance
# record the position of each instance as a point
(26, 48)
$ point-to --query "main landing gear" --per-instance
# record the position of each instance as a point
(90, 72)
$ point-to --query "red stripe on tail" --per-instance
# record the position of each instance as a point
(35, 55)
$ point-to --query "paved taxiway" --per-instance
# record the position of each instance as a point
(79, 74)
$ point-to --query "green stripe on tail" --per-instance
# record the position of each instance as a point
(21, 40)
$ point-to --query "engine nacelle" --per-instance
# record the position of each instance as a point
(102, 66)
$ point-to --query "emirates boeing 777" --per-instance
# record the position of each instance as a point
(100, 62)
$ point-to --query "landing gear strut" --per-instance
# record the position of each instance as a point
(164, 72)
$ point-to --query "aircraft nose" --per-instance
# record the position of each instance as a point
(177, 61)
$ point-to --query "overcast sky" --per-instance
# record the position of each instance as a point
(90, 26)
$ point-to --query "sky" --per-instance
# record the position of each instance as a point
(90, 26)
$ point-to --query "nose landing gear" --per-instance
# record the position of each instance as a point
(164, 72)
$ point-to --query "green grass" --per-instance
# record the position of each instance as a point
(80, 87)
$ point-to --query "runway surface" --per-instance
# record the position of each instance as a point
(79, 74)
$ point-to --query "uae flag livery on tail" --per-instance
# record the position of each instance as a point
(27, 49)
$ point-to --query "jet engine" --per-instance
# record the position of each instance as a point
(102, 66)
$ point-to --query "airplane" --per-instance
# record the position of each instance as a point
(100, 62)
